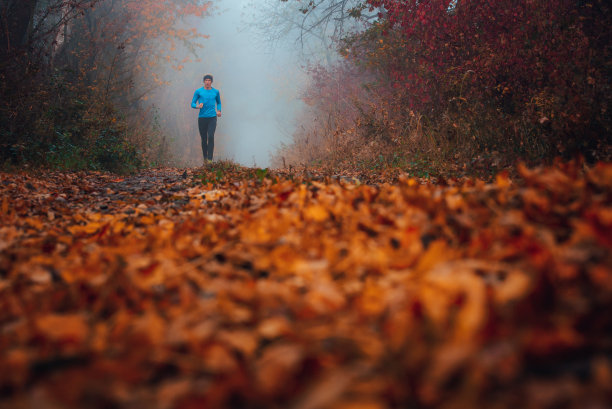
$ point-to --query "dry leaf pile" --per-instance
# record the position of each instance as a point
(230, 287)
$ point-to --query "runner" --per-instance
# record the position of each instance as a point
(208, 100)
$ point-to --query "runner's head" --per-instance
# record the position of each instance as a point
(208, 79)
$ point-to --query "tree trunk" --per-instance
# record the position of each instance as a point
(16, 16)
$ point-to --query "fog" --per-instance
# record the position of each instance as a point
(259, 86)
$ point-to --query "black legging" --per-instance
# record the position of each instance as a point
(207, 128)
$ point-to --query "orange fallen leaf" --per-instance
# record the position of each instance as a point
(67, 328)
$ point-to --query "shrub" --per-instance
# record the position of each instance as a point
(466, 84)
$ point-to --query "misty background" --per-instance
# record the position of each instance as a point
(259, 82)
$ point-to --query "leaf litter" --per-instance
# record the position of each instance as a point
(234, 287)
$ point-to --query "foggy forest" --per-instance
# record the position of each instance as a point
(305, 204)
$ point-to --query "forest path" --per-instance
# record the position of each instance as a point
(234, 287)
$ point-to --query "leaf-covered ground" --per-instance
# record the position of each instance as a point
(241, 288)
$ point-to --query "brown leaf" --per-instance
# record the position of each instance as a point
(65, 328)
(277, 365)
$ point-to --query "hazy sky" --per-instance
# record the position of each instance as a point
(259, 86)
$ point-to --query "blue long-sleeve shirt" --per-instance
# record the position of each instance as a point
(211, 98)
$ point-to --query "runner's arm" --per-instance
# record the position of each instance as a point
(194, 100)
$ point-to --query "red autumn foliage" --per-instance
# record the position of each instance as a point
(504, 79)
(531, 58)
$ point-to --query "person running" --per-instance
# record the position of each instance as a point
(208, 100)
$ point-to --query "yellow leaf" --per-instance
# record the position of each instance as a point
(436, 253)
(503, 179)
(118, 226)
(316, 213)
(148, 220)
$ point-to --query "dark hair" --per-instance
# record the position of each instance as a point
(208, 76)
